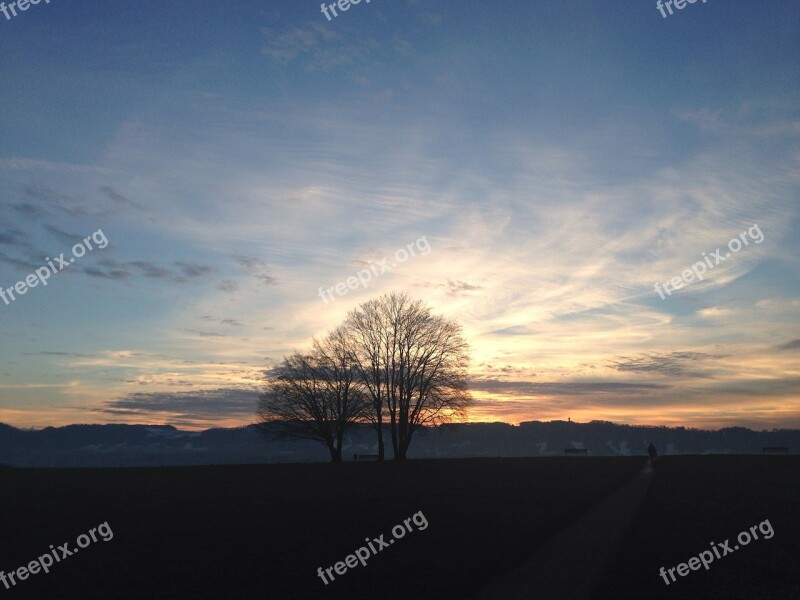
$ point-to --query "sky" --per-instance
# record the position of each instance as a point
(547, 163)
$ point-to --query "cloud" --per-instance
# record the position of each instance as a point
(256, 268)
(430, 19)
(108, 268)
(48, 199)
(514, 330)
(63, 236)
(204, 334)
(16, 262)
(118, 199)
(50, 353)
(791, 345)
(674, 363)
(228, 322)
(457, 287)
(287, 45)
(315, 45)
(227, 285)
(561, 389)
(105, 268)
(40, 202)
(754, 119)
(192, 270)
(209, 405)
(11, 237)
(25, 164)
(452, 288)
(151, 270)
(28, 210)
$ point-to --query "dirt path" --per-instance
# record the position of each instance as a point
(568, 566)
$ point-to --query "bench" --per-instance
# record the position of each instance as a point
(576, 452)
(365, 457)
(775, 450)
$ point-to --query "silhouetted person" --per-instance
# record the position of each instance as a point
(651, 450)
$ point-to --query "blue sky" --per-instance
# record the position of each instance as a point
(560, 158)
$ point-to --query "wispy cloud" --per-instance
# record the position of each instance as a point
(674, 363)
(256, 268)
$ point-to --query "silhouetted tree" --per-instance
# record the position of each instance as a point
(315, 396)
(366, 335)
(413, 365)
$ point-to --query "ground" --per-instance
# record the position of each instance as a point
(262, 531)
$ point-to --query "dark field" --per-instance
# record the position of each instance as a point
(694, 501)
(262, 531)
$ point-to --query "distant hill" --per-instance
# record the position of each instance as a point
(149, 445)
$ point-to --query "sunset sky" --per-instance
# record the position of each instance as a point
(558, 158)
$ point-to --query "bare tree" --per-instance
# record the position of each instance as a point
(315, 396)
(413, 365)
(367, 334)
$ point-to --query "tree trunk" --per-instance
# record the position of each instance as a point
(405, 443)
(336, 453)
(381, 450)
(401, 453)
(339, 444)
(393, 429)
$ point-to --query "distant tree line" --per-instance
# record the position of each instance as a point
(391, 362)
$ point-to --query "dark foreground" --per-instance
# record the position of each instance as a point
(262, 531)
(694, 501)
